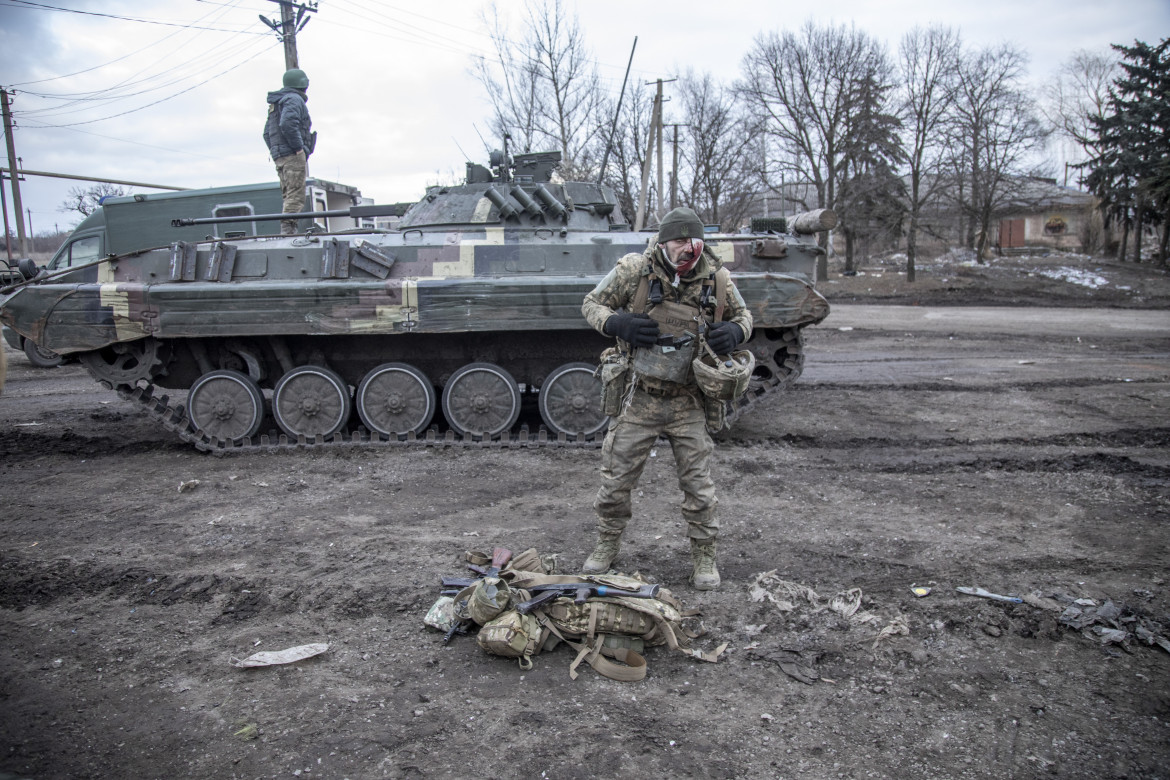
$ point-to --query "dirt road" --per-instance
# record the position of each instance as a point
(938, 451)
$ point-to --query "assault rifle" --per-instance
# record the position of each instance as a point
(578, 591)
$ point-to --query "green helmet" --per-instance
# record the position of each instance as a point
(680, 223)
(296, 79)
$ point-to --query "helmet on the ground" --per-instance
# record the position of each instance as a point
(296, 78)
(724, 378)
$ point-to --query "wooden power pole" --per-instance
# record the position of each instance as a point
(15, 178)
(291, 22)
(654, 136)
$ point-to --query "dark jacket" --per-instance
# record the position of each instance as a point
(289, 128)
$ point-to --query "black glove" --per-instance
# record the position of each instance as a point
(637, 329)
(724, 337)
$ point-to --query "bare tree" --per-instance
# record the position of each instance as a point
(715, 174)
(1079, 92)
(627, 154)
(545, 89)
(996, 129)
(927, 61)
(802, 89)
(84, 200)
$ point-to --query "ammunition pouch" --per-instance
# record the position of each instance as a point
(670, 359)
(613, 373)
(715, 412)
(512, 635)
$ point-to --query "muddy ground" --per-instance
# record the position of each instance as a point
(1031, 462)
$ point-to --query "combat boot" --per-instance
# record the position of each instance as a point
(706, 574)
(603, 555)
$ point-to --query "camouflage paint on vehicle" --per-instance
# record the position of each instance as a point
(490, 272)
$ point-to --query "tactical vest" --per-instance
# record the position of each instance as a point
(678, 326)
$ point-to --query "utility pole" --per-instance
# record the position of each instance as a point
(655, 116)
(674, 173)
(16, 204)
(4, 207)
(658, 204)
(655, 134)
(290, 24)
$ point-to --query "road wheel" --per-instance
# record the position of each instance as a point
(396, 399)
(570, 401)
(481, 399)
(226, 405)
(40, 357)
(311, 401)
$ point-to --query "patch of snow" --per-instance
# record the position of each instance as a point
(1076, 276)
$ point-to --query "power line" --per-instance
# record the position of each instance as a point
(124, 18)
(85, 96)
(41, 126)
(168, 97)
(86, 102)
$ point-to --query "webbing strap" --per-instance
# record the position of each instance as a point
(722, 277)
(633, 670)
(642, 294)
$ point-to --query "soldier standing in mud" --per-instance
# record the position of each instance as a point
(675, 272)
(290, 138)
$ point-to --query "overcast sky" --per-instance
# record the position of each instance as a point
(393, 95)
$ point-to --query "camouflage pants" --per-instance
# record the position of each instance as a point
(292, 171)
(627, 447)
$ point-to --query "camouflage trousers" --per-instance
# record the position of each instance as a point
(627, 448)
(292, 171)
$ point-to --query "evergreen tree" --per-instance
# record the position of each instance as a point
(1131, 173)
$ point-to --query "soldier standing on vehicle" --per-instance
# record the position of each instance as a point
(290, 138)
(675, 281)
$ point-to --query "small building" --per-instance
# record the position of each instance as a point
(1043, 214)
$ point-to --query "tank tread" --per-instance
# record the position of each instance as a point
(175, 419)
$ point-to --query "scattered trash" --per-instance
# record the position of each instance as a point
(786, 596)
(1150, 638)
(189, 484)
(920, 590)
(278, 657)
(985, 594)
(1110, 623)
(1042, 602)
(846, 327)
(249, 731)
(1025, 362)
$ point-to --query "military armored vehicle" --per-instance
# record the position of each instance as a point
(443, 330)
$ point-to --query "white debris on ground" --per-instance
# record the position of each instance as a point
(1075, 276)
(788, 596)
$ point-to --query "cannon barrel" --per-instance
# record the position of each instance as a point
(357, 212)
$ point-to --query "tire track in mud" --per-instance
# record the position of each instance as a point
(25, 583)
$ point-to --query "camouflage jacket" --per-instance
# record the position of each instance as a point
(620, 285)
